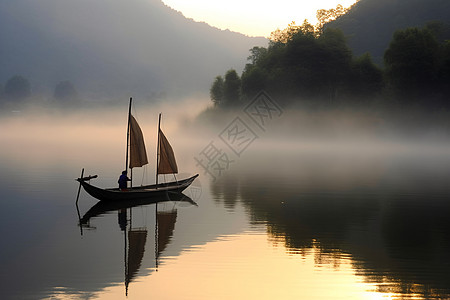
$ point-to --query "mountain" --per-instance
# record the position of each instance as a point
(370, 24)
(114, 48)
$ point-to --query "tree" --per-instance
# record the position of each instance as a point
(299, 63)
(17, 88)
(256, 54)
(253, 80)
(65, 91)
(367, 78)
(337, 57)
(232, 89)
(411, 63)
(285, 35)
(327, 15)
(217, 90)
(444, 73)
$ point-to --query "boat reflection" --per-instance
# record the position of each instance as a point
(135, 237)
(103, 207)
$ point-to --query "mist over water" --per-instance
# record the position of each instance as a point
(341, 189)
(347, 138)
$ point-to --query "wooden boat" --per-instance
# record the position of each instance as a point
(137, 157)
(135, 193)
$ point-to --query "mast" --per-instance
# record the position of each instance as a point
(156, 236)
(128, 135)
(157, 149)
(126, 260)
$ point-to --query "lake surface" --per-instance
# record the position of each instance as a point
(329, 219)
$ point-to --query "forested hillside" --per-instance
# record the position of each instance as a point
(370, 24)
(315, 67)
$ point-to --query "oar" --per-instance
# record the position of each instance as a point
(76, 202)
(79, 187)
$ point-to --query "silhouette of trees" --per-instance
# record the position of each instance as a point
(417, 66)
(65, 91)
(411, 62)
(299, 63)
(314, 65)
(216, 91)
(367, 78)
(232, 89)
(226, 92)
(324, 16)
(327, 15)
(17, 94)
(256, 54)
(444, 72)
(287, 34)
(17, 88)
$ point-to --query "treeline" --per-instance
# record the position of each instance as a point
(17, 91)
(314, 67)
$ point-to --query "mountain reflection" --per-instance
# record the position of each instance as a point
(398, 241)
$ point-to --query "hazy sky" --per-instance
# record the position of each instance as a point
(253, 17)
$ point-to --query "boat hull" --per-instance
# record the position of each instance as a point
(163, 190)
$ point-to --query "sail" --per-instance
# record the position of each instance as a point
(167, 163)
(138, 154)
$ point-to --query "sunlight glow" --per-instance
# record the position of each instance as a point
(253, 18)
(266, 272)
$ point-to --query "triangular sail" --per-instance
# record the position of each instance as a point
(138, 154)
(167, 163)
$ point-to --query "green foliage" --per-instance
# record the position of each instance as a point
(301, 64)
(444, 72)
(287, 34)
(325, 16)
(367, 78)
(254, 79)
(257, 53)
(337, 57)
(315, 67)
(412, 62)
(226, 92)
(232, 89)
(216, 91)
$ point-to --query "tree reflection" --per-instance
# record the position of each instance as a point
(398, 242)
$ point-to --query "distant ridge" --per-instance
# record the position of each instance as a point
(115, 48)
(370, 24)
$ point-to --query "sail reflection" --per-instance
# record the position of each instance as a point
(165, 221)
(134, 254)
(135, 237)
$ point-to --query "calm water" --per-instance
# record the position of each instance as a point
(285, 221)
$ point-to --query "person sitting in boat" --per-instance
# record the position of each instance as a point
(123, 181)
